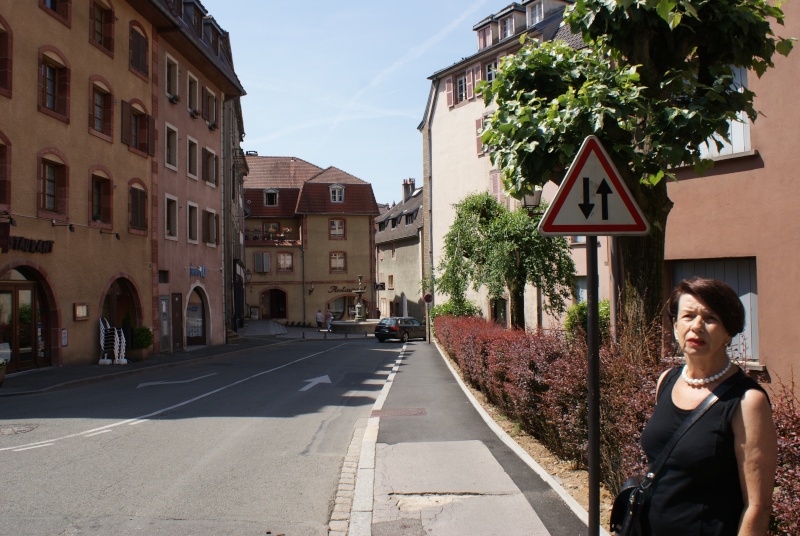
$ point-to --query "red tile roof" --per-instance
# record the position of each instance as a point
(303, 188)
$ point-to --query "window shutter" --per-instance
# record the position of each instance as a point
(470, 92)
(108, 29)
(204, 103)
(205, 162)
(61, 189)
(108, 113)
(448, 84)
(478, 128)
(478, 73)
(151, 135)
(205, 227)
(215, 229)
(126, 122)
(259, 262)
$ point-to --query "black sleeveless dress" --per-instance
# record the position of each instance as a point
(698, 491)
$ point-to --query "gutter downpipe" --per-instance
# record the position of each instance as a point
(225, 284)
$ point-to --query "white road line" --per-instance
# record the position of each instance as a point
(174, 382)
(20, 449)
(97, 433)
(48, 442)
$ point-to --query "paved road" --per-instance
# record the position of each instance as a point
(241, 444)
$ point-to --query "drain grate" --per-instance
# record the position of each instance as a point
(399, 412)
(12, 429)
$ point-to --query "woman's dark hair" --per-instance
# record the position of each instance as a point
(721, 298)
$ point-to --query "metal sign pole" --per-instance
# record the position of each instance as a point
(593, 398)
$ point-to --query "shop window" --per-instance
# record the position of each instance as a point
(60, 10)
(191, 223)
(101, 200)
(52, 186)
(191, 157)
(338, 262)
(6, 62)
(336, 229)
(171, 218)
(54, 84)
(138, 208)
(138, 128)
(171, 147)
(209, 166)
(101, 26)
(285, 262)
(210, 228)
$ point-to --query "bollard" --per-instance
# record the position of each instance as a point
(304, 334)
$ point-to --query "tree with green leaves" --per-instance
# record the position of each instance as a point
(654, 82)
(489, 245)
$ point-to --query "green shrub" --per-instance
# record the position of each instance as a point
(141, 337)
(576, 319)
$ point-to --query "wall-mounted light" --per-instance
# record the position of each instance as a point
(7, 215)
(116, 235)
(310, 290)
(248, 276)
(68, 225)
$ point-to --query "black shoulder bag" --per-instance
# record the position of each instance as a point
(630, 505)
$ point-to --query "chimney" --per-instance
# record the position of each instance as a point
(408, 189)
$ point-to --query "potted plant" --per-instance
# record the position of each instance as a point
(194, 113)
(141, 340)
(175, 99)
(212, 125)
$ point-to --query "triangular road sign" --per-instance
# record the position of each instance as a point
(593, 199)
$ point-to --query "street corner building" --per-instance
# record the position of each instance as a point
(119, 131)
(310, 240)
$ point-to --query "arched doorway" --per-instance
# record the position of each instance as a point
(24, 326)
(196, 319)
(120, 307)
(273, 304)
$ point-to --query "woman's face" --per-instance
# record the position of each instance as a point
(698, 329)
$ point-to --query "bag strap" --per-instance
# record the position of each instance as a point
(693, 417)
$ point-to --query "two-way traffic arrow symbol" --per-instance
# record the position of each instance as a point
(604, 190)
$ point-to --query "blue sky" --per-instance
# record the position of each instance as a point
(345, 83)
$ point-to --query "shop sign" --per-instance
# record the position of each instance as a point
(29, 245)
(334, 289)
(197, 271)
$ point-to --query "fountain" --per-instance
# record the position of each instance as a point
(360, 324)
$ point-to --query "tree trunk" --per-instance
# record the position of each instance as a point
(643, 258)
(516, 293)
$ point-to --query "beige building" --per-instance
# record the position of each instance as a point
(455, 163)
(400, 246)
(83, 147)
(309, 240)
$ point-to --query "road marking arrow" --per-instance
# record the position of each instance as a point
(173, 382)
(314, 381)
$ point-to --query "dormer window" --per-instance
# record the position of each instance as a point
(537, 11)
(484, 37)
(270, 198)
(337, 193)
(506, 27)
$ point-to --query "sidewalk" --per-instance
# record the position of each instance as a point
(256, 333)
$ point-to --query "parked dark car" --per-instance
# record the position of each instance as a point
(399, 327)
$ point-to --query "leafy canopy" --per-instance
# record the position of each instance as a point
(489, 245)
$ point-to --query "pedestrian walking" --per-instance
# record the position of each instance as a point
(319, 318)
(328, 319)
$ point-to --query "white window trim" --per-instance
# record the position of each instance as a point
(216, 167)
(169, 198)
(167, 164)
(169, 59)
(216, 221)
(189, 206)
(268, 191)
(333, 188)
(197, 154)
(189, 79)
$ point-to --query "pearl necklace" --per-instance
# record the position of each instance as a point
(704, 381)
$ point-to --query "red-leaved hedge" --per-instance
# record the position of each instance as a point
(539, 379)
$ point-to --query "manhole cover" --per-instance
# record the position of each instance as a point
(399, 412)
(11, 429)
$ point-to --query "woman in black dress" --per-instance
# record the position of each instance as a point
(719, 478)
